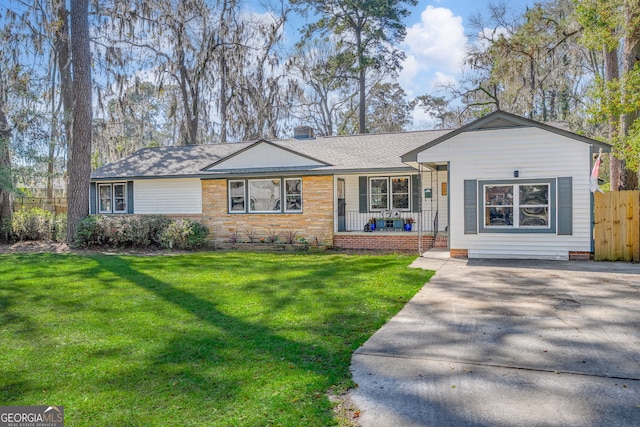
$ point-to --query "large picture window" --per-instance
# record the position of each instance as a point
(265, 195)
(389, 193)
(112, 198)
(517, 206)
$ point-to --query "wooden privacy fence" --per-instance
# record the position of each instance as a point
(55, 205)
(617, 226)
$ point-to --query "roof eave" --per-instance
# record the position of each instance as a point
(412, 156)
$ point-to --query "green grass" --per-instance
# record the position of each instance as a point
(229, 339)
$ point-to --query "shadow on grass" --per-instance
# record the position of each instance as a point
(159, 335)
(204, 363)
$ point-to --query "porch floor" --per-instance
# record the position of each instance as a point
(387, 233)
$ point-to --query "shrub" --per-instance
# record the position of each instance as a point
(184, 234)
(59, 228)
(121, 230)
(38, 224)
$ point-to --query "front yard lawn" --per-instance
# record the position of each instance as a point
(225, 339)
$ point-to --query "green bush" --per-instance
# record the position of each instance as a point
(121, 230)
(38, 224)
(184, 234)
(140, 231)
(59, 228)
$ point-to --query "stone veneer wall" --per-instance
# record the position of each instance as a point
(315, 222)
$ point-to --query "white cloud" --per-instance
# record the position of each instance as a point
(437, 42)
(441, 79)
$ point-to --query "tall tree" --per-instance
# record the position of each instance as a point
(530, 65)
(79, 166)
(369, 31)
(261, 88)
(20, 113)
(325, 95)
(613, 27)
(136, 119)
(175, 41)
(439, 109)
(6, 207)
(387, 110)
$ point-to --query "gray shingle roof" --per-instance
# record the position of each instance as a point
(341, 153)
(167, 161)
(355, 153)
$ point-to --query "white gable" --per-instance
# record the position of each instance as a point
(265, 155)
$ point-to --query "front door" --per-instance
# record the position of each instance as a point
(342, 226)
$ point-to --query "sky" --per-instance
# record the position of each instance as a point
(435, 44)
(437, 34)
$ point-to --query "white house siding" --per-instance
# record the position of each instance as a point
(265, 155)
(168, 196)
(495, 155)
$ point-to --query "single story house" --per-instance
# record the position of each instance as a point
(502, 186)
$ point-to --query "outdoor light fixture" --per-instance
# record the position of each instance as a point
(516, 174)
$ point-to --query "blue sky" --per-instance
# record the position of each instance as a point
(435, 43)
(436, 38)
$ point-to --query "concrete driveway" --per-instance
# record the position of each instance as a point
(508, 343)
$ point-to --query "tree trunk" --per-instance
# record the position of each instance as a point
(61, 47)
(611, 73)
(6, 208)
(79, 167)
(223, 98)
(629, 178)
(362, 80)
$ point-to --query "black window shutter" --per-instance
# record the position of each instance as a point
(130, 197)
(565, 206)
(415, 193)
(93, 195)
(362, 190)
(470, 206)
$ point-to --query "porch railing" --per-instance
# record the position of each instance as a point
(355, 221)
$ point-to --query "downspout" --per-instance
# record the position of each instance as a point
(437, 196)
(592, 204)
(420, 209)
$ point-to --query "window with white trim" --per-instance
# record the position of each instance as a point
(517, 206)
(391, 193)
(293, 194)
(265, 195)
(237, 196)
(112, 198)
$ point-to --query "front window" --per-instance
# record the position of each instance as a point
(400, 193)
(119, 198)
(379, 193)
(534, 206)
(293, 195)
(264, 195)
(112, 198)
(516, 206)
(273, 195)
(499, 205)
(389, 193)
(237, 196)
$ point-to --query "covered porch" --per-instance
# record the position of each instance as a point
(359, 225)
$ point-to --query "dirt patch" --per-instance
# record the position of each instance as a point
(63, 248)
(345, 411)
(31, 247)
